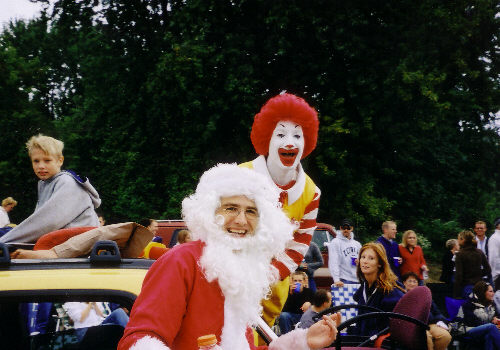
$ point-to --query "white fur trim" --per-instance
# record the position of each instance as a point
(149, 343)
(296, 340)
(233, 332)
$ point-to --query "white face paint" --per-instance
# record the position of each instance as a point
(286, 145)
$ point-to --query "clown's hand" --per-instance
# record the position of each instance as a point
(322, 333)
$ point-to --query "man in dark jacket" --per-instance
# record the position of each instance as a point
(389, 231)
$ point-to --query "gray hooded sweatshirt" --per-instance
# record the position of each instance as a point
(65, 200)
(340, 252)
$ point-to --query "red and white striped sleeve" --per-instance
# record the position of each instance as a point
(288, 261)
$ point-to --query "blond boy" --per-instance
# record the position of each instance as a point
(64, 199)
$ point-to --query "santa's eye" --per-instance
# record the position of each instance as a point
(251, 213)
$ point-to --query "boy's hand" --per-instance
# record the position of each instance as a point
(305, 306)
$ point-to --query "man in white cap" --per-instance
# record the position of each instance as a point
(343, 252)
(214, 284)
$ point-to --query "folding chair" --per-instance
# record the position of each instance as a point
(452, 307)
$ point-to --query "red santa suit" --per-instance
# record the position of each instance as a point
(185, 305)
(177, 305)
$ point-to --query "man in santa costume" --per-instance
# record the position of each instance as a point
(284, 132)
(214, 284)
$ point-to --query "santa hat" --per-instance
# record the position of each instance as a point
(285, 107)
(226, 180)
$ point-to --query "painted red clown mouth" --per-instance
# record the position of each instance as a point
(287, 156)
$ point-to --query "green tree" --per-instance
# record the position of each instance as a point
(148, 94)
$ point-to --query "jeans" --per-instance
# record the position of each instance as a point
(488, 334)
(287, 321)
(118, 317)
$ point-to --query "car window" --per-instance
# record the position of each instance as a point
(48, 326)
(320, 237)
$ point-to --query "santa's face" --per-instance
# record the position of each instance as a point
(240, 216)
(286, 145)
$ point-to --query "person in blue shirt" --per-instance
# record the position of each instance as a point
(388, 240)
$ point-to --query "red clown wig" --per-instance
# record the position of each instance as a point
(286, 107)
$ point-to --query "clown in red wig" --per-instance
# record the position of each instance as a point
(284, 132)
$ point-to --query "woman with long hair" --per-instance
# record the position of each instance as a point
(478, 315)
(379, 287)
(413, 256)
(471, 265)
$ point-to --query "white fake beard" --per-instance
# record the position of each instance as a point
(243, 270)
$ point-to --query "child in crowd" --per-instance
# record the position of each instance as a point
(321, 300)
(7, 205)
(183, 236)
(64, 198)
(298, 301)
(448, 262)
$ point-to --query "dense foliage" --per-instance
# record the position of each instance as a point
(147, 94)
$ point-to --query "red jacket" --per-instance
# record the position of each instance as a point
(177, 304)
(412, 261)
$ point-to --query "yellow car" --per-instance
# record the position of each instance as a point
(33, 294)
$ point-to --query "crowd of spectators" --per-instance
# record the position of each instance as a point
(384, 270)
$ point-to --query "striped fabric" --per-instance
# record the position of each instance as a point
(297, 248)
(343, 296)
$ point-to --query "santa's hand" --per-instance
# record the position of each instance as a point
(322, 333)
